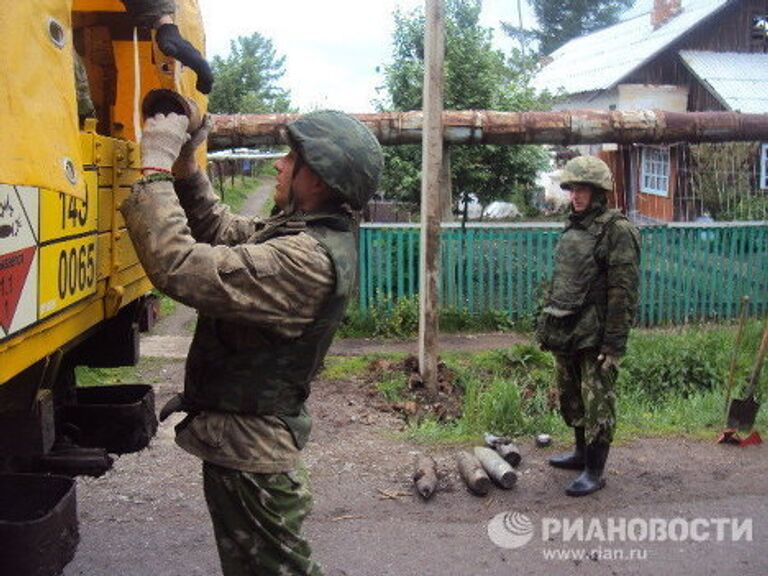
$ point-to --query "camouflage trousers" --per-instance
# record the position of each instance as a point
(587, 397)
(257, 521)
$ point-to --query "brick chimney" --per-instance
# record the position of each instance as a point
(663, 11)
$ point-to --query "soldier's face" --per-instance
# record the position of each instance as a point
(284, 167)
(581, 197)
(308, 188)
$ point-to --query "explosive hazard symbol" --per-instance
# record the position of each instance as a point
(18, 257)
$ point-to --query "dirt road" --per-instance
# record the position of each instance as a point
(147, 516)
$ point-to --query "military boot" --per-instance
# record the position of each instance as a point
(591, 479)
(574, 460)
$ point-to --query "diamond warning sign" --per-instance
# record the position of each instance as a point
(18, 257)
(14, 269)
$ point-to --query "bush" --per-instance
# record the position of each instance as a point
(400, 319)
(682, 363)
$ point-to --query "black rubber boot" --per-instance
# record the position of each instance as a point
(591, 479)
(574, 460)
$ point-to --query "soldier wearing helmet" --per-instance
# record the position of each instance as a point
(269, 295)
(589, 310)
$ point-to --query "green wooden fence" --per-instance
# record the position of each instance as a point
(689, 272)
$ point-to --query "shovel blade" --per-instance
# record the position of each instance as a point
(742, 413)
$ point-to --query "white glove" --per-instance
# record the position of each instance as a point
(161, 142)
(186, 164)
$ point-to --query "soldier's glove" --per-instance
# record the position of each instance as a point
(171, 43)
(186, 165)
(609, 363)
(162, 141)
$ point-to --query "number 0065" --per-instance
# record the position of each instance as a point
(77, 269)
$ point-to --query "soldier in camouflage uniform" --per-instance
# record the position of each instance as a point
(590, 308)
(270, 295)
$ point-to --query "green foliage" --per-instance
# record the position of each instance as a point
(398, 320)
(562, 20)
(505, 392)
(167, 304)
(401, 320)
(105, 376)
(246, 80)
(684, 362)
(345, 367)
(722, 175)
(671, 383)
(392, 386)
(476, 77)
(235, 195)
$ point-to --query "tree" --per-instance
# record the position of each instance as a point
(476, 77)
(246, 80)
(562, 20)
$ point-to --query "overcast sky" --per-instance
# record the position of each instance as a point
(332, 47)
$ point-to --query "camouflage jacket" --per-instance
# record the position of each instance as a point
(196, 252)
(599, 313)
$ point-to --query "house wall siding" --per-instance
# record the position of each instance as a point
(728, 31)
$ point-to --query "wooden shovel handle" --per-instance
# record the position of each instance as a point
(758, 367)
(736, 346)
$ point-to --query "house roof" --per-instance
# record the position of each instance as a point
(738, 80)
(600, 60)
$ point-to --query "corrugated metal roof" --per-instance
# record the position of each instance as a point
(738, 80)
(600, 60)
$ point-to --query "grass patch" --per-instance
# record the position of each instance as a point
(400, 319)
(86, 377)
(167, 304)
(671, 384)
(145, 372)
(392, 386)
(235, 194)
(345, 367)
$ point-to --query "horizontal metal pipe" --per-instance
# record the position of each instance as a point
(489, 127)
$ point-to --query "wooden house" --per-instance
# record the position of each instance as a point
(677, 55)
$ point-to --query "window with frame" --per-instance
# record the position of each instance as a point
(764, 167)
(758, 33)
(654, 173)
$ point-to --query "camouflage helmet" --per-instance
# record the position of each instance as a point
(587, 170)
(342, 151)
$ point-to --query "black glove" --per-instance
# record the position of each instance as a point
(175, 404)
(171, 43)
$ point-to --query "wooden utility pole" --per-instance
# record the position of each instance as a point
(446, 187)
(431, 168)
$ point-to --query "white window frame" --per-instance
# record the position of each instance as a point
(764, 167)
(654, 170)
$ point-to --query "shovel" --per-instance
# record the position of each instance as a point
(742, 413)
(735, 355)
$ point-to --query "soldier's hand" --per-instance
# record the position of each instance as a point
(171, 43)
(162, 141)
(186, 164)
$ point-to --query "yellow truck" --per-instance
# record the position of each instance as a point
(71, 289)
